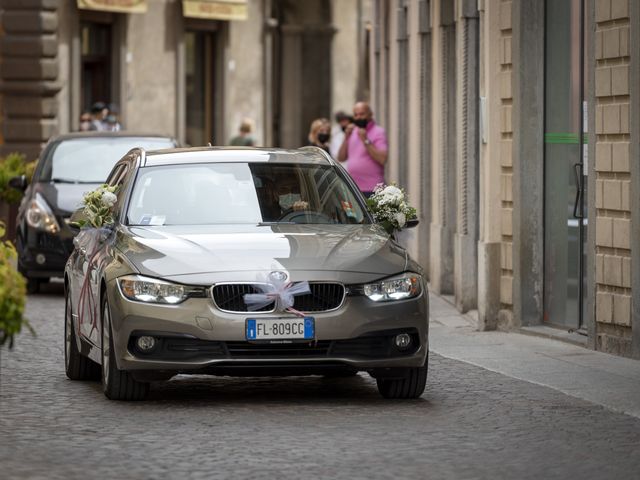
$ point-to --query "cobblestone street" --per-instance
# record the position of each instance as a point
(470, 423)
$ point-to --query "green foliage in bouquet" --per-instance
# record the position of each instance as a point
(389, 207)
(13, 165)
(98, 207)
(12, 294)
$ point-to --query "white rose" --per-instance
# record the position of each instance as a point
(393, 195)
(400, 219)
(109, 199)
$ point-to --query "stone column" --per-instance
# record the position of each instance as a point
(443, 222)
(291, 86)
(426, 135)
(495, 88)
(466, 261)
(29, 75)
(528, 165)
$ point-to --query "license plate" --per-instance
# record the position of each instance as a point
(280, 328)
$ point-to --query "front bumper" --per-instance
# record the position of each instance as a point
(42, 254)
(358, 335)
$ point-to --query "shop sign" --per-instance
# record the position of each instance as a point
(122, 6)
(215, 9)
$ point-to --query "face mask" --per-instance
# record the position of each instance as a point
(323, 137)
(361, 122)
(287, 201)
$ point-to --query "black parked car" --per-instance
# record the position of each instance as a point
(69, 166)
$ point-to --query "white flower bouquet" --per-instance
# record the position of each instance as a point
(389, 206)
(98, 207)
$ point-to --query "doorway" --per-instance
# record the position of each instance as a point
(200, 82)
(564, 165)
(96, 63)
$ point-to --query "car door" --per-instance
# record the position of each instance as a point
(88, 265)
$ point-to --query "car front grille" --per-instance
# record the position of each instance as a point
(324, 297)
(268, 350)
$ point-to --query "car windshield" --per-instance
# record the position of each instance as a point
(89, 160)
(243, 193)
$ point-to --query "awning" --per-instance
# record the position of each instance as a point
(215, 9)
(123, 6)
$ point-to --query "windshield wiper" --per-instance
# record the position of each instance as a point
(262, 224)
(71, 180)
(63, 180)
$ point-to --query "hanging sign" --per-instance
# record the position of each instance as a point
(121, 6)
(215, 9)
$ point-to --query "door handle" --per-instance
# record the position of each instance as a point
(577, 170)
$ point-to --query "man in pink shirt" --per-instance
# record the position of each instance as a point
(365, 146)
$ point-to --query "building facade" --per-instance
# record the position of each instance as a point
(194, 69)
(515, 126)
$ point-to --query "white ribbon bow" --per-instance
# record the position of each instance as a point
(280, 292)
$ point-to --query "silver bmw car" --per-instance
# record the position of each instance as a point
(242, 261)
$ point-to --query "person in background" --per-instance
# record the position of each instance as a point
(320, 134)
(244, 138)
(85, 122)
(337, 132)
(365, 147)
(111, 121)
(99, 112)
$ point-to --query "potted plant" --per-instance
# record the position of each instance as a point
(12, 294)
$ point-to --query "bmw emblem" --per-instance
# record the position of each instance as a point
(278, 276)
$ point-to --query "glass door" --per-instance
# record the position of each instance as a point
(564, 164)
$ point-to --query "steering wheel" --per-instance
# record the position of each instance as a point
(305, 216)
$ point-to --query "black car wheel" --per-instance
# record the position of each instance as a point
(116, 384)
(412, 385)
(33, 285)
(77, 366)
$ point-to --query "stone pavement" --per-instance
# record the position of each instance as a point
(471, 423)
(600, 378)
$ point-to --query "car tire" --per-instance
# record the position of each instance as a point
(77, 366)
(412, 385)
(116, 384)
(33, 285)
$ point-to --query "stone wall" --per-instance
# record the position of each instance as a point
(613, 242)
(29, 75)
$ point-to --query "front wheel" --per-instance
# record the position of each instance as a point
(411, 385)
(116, 384)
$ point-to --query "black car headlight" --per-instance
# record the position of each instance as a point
(153, 290)
(401, 287)
(40, 216)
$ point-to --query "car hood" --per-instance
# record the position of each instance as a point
(242, 252)
(64, 198)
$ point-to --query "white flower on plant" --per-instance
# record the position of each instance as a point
(401, 219)
(109, 199)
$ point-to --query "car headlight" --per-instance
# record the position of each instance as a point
(407, 285)
(152, 290)
(40, 216)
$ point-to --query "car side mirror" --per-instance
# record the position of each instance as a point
(412, 222)
(78, 218)
(19, 183)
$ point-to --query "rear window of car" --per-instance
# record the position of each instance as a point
(89, 160)
(243, 193)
